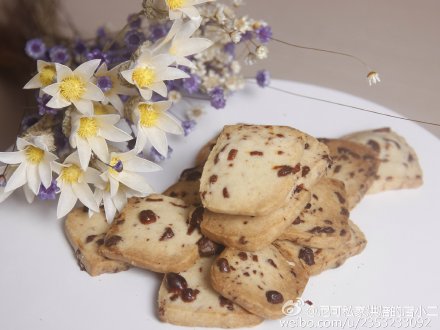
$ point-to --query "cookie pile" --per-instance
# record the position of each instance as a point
(240, 234)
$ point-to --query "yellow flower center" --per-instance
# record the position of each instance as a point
(148, 115)
(88, 127)
(47, 75)
(175, 4)
(71, 174)
(72, 88)
(34, 155)
(144, 77)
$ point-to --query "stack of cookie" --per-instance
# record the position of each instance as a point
(239, 235)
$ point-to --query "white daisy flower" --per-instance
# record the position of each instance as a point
(182, 45)
(153, 122)
(90, 132)
(373, 78)
(149, 72)
(109, 83)
(75, 87)
(4, 177)
(178, 8)
(124, 173)
(35, 166)
(46, 76)
(73, 183)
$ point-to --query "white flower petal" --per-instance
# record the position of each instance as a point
(162, 60)
(67, 201)
(169, 124)
(175, 14)
(114, 185)
(193, 46)
(62, 71)
(114, 134)
(128, 75)
(99, 147)
(106, 120)
(58, 102)
(120, 199)
(185, 62)
(52, 90)
(147, 93)
(158, 139)
(116, 101)
(135, 181)
(85, 195)
(84, 152)
(33, 178)
(87, 69)
(73, 158)
(92, 175)
(138, 164)
(191, 12)
(160, 88)
(4, 195)
(17, 179)
(141, 141)
(41, 64)
(171, 74)
(162, 105)
(45, 173)
(22, 143)
(109, 208)
(93, 93)
(84, 106)
(35, 82)
(13, 157)
(30, 196)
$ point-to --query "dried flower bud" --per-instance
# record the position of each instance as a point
(250, 59)
(174, 96)
(235, 36)
(262, 52)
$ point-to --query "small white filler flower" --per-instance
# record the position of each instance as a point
(75, 87)
(373, 77)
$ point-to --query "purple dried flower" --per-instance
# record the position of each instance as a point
(248, 35)
(158, 31)
(192, 84)
(135, 21)
(124, 98)
(263, 78)
(3, 181)
(229, 48)
(28, 121)
(80, 47)
(101, 33)
(42, 105)
(133, 39)
(264, 33)
(59, 54)
(118, 167)
(97, 54)
(104, 83)
(188, 126)
(156, 157)
(48, 193)
(218, 100)
(35, 48)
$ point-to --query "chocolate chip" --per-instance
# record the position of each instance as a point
(297, 221)
(272, 263)
(232, 154)
(208, 248)
(255, 258)
(213, 178)
(306, 146)
(342, 232)
(147, 216)
(150, 199)
(298, 188)
(307, 255)
(189, 295)
(305, 171)
(225, 192)
(374, 145)
(242, 240)
(274, 297)
(344, 211)
(321, 230)
(90, 238)
(168, 233)
(226, 302)
(242, 255)
(256, 153)
(280, 152)
(223, 265)
(175, 283)
(284, 170)
(337, 168)
(308, 302)
(340, 197)
(195, 220)
(99, 242)
(113, 240)
(191, 174)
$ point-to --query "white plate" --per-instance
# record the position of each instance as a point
(41, 286)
